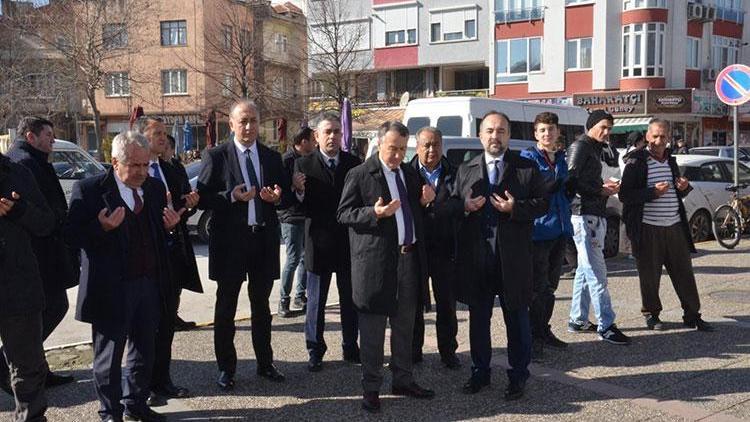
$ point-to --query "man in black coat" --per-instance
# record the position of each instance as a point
(381, 203)
(23, 215)
(319, 180)
(121, 220)
(440, 238)
(58, 263)
(184, 270)
(501, 193)
(242, 181)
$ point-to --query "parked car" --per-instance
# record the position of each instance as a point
(72, 163)
(200, 220)
(722, 151)
(709, 177)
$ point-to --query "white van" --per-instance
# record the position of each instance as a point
(72, 163)
(461, 116)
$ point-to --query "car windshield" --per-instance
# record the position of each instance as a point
(74, 165)
(193, 169)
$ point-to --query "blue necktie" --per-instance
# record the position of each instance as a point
(405, 208)
(157, 172)
(254, 183)
(331, 164)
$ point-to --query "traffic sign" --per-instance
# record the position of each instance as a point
(733, 85)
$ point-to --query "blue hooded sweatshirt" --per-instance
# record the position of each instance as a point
(556, 222)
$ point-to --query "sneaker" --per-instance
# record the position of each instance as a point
(284, 310)
(568, 274)
(586, 327)
(700, 325)
(301, 303)
(552, 341)
(654, 323)
(614, 335)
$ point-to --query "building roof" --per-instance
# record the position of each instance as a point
(370, 119)
(287, 8)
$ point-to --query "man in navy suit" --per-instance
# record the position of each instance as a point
(242, 182)
(121, 220)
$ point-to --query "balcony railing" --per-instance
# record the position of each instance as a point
(483, 92)
(730, 15)
(519, 15)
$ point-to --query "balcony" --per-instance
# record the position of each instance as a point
(730, 15)
(464, 93)
(519, 15)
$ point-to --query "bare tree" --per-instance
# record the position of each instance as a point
(339, 48)
(92, 37)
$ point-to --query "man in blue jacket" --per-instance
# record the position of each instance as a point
(550, 232)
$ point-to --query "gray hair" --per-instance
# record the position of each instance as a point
(247, 103)
(433, 130)
(660, 122)
(144, 121)
(392, 126)
(327, 117)
(122, 142)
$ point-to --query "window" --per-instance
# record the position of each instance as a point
(114, 35)
(578, 54)
(516, 58)
(571, 2)
(518, 10)
(644, 4)
(453, 25)
(117, 84)
(416, 123)
(725, 51)
(730, 10)
(245, 41)
(693, 53)
(174, 82)
(227, 86)
(226, 37)
(643, 50)
(395, 25)
(450, 125)
(74, 165)
(174, 33)
(711, 172)
(281, 43)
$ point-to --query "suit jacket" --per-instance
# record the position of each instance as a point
(293, 214)
(513, 242)
(220, 173)
(99, 293)
(184, 267)
(58, 263)
(326, 240)
(374, 243)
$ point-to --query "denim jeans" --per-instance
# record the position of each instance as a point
(294, 239)
(590, 282)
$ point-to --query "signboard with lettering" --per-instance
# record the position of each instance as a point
(622, 103)
(665, 101)
(707, 103)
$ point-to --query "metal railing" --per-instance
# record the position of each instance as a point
(519, 15)
(730, 15)
(482, 92)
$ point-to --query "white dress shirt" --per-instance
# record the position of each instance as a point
(494, 165)
(390, 178)
(251, 220)
(126, 193)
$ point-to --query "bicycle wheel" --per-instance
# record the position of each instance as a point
(726, 226)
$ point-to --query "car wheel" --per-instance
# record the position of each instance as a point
(700, 226)
(203, 224)
(612, 237)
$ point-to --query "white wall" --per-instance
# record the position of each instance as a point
(552, 77)
(606, 46)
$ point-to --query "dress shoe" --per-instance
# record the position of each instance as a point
(537, 349)
(271, 373)
(156, 400)
(315, 364)
(413, 390)
(514, 390)
(654, 323)
(182, 325)
(301, 303)
(171, 391)
(145, 415)
(416, 357)
(475, 384)
(451, 362)
(225, 381)
(351, 355)
(53, 379)
(371, 401)
(553, 342)
(700, 325)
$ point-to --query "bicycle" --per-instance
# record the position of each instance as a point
(732, 219)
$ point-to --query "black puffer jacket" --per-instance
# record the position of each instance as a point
(585, 157)
(20, 283)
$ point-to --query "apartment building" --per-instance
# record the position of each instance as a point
(635, 58)
(194, 58)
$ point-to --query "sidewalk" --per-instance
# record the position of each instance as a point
(678, 374)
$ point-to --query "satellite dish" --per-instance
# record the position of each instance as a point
(404, 99)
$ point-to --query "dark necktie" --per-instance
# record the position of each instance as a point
(405, 208)
(254, 183)
(331, 164)
(137, 202)
(157, 172)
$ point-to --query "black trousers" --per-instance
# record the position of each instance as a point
(667, 247)
(259, 290)
(55, 307)
(22, 339)
(163, 345)
(548, 258)
(441, 270)
(317, 294)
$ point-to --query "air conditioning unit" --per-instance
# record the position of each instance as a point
(709, 74)
(709, 13)
(695, 11)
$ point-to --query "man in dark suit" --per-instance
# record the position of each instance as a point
(318, 182)
(502, 193)
(381, 203)
(184, 270)
(121, 220)
(58, 264)
(440, 230)
(242, 182)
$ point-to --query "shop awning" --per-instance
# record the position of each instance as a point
(629, 124)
